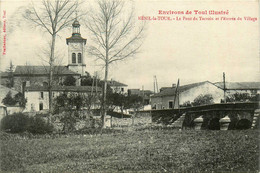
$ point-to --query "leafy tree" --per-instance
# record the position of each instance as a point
(9, 100)
(12, 101)
(124, 102)
(203, 100)
(69, 81)
(19, 98)
(242, 97)
(68, 107)
(86, 81)
(134, 101)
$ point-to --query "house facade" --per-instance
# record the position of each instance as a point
(252, 88)
(117, 87)
(167, 98)
(38, 96)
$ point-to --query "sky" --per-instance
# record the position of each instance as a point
(189, 50)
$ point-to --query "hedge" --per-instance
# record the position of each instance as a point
(19, 123)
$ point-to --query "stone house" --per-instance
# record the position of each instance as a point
(252, 88)
(38, 96)
(165, 98)
(117, 87)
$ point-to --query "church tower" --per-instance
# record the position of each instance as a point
(76, 47)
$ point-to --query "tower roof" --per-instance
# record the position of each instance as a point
(76, 23)
(76, 36)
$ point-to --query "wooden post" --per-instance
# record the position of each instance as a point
(176, 92)
(224, 83)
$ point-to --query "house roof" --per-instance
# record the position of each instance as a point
(43, 70)
(139, 92)
(4, 90)
(239, 85)
(115, 83)
(170, 91)
(4, 74)
(63, 88)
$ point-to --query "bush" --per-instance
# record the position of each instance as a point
(15, 123)
(203, 100)
(38, 125)
(19, 123)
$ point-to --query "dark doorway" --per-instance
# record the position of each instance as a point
(214, 124)
(243, 124)
(41, 106)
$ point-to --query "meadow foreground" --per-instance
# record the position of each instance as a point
(134, 151)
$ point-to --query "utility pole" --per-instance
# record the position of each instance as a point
(143, 94)
(155, 85)
(176, 93)
(224, 83)
(93, 80)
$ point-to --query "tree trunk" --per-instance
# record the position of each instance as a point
(51, 74)
(104, 113)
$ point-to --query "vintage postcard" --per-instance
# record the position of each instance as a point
(129, 86)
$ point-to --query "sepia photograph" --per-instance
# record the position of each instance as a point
(129, 86)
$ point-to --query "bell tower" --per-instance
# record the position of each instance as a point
(76, 50)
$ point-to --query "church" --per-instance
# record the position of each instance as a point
(33, 81)
(27, 75)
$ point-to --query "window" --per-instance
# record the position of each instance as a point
(79, 58)
(73, 58)
(122, 89)
(41, 106)
(170, 104)
(32, 107)
(41, 95)
(45, 84)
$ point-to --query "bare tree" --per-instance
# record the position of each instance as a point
(52, 17)
(115, 36)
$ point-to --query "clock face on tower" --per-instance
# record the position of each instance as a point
(75, 45)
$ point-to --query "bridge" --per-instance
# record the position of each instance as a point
(214, 116)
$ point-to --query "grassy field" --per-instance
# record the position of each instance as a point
(134, 151)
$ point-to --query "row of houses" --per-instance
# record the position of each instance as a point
(33, 82)
(172, 97)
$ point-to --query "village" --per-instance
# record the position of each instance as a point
(99, 87)
(31, 84)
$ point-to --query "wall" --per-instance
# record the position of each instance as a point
(206, 88)
(34, 99)
(189, 95)
(140, 119)
(14, 109)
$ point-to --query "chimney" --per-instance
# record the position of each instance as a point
(173, 85)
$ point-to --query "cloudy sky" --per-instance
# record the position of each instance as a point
(192, 51)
